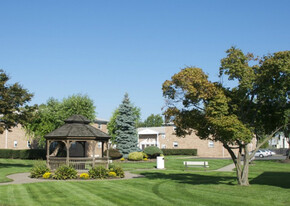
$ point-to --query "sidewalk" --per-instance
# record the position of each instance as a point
(228, 168)
(23, 178)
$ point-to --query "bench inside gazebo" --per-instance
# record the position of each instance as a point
(77, 129)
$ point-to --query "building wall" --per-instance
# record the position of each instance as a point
(16, 134)
(205, 148)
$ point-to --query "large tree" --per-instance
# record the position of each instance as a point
(51, 115)
(126, 133)
(14, 108)
(257, 107)
(112, 126)
(152, 121)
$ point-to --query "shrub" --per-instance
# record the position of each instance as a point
(38, 170)
(98, 172)
(180, 152)
(84, 176)
(112, 174)
(145, 159)
(122, 159)
(118, 170)
(65, 172)
(23, 154)
(153, 151)
(114, 153)
(46, 175)
(135, 156)
(145, 155)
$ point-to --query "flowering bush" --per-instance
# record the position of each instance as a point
(46, 175)
(122, 159)
(65, 172)
(38, 170)
(98, 172)
(112, 174)
(145, 159)
(118, 170)
(84, 176)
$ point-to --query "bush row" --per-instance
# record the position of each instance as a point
(65, 172)
(23, 154)
(180, 152)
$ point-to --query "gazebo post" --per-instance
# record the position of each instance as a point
(67, 144)
(107, 145)
(94, 148)
(47, 153)
(102, 149)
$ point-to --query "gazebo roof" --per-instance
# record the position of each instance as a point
(77, 127)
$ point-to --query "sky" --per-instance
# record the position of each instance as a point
(57, 48)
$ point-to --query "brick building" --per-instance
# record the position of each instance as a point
(165, 138)
(162, 137)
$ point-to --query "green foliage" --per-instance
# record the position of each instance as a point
(118, 170)
(23, 154)
(153, 151)
(114, 153)
(135, 156)
(13, 103)
(65, 172)
(192, 152)
(38, 170)
(98, 172)
(152, 121)
(51, 115)
(255, 107)
(112, 127)
(126, 134)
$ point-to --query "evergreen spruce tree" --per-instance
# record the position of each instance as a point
(126, 134)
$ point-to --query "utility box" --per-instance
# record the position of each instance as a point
(160, 162)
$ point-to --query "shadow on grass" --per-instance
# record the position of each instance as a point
(278, 179)
(194, 179)
(4, 165)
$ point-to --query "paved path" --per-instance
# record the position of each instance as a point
(22, 178)
(228, 168)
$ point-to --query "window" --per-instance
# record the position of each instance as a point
(175, 144)
(99, 144)
(99, 126)
(163, 136)
(28, 144)
(210, 144)
(163, 146)
(15, 143)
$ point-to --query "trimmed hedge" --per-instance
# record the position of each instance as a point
(180, 152)
(152, 151)
(23, 154)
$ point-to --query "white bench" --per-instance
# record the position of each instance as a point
(196, 164)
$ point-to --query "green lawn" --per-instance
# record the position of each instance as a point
(270, 185)
(11, 166)
(176, 163)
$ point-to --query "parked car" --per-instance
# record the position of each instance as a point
(261, 153)
(271, 152)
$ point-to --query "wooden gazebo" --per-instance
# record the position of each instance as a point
(77, 129)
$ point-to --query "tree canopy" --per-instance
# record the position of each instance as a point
(152, 121)
(14, 108)
(257, 106)
(112, 127)
(51, 115)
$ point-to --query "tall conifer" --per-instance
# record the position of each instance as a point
(126, 134)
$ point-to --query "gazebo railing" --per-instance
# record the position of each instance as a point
(79, 163)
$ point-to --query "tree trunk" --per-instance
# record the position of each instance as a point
(59, 146)
(242, 167)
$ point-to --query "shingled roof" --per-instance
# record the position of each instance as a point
(77, 127)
